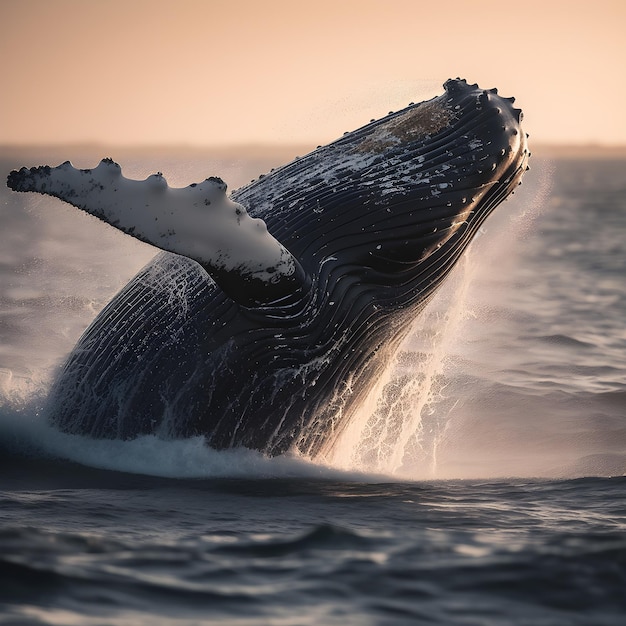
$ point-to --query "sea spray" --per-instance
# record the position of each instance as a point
(404, 413)
(409, 413)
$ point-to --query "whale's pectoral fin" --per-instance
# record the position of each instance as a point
(198, 221)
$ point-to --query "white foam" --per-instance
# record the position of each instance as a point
(25, 429)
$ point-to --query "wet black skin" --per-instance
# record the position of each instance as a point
(376, 220)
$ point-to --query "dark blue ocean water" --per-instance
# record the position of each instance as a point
(483, 482)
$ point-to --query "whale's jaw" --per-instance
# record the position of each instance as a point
(372, 224)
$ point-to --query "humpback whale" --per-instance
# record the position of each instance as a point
(270, 312)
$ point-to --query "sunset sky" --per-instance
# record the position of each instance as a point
(244, 71)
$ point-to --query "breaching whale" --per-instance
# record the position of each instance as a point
(272, 312)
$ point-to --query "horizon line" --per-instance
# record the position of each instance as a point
(256, 148)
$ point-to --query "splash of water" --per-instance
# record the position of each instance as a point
(404, 414)
(406, 417)
(26, 432)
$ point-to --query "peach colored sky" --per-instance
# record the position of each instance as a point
(237, 71)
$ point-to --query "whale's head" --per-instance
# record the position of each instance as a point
(404, 192)
(444, 165)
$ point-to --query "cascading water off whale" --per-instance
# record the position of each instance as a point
(273, 311)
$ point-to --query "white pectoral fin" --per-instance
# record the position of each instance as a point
(198, 221)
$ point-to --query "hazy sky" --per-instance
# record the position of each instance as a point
(245, 71)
